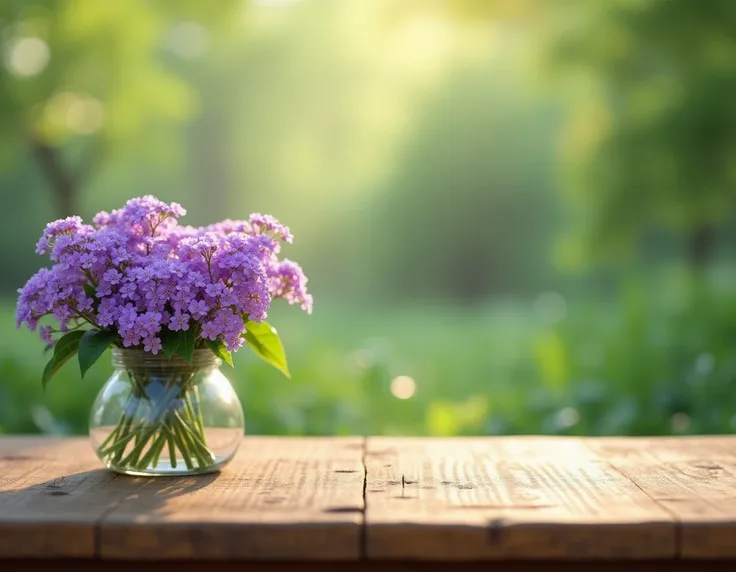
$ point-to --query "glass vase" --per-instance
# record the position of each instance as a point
(160, 416)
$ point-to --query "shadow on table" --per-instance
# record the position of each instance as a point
(93, 494)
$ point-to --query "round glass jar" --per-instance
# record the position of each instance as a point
(160, 416)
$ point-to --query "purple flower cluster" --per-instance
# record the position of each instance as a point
(139, 272)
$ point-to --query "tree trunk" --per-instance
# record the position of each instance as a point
(701, 245)
(63, 184)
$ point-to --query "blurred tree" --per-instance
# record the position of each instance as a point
(82, 77)
(653, 146)
(468, 212)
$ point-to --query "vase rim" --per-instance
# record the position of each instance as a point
(139, 358)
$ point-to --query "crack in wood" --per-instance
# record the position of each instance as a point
(97, 530)
(363, 548)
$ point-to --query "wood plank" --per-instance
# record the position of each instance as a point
(52, 492)
(280, 498)
(92, 565)
(507, 497)
(694, 478)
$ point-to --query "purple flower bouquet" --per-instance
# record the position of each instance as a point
(171, 300)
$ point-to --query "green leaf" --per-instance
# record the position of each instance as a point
(219, 348)
(64, 349)
(170, 342)
(187, 341)
(90, 290)
(92, 345)
(265, 342)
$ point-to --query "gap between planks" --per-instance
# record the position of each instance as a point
(675, 517)
(692, 478)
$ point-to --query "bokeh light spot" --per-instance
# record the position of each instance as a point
(704, 363)
(85, 115)
(188, 40)
(567, 417)
(680, 422)
(27, 56)
(403, 387)
(80, 113)
(364, 358)
(550, 307)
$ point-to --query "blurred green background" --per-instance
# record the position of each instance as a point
(516, 216)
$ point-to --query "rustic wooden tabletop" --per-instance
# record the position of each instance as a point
(534, 503)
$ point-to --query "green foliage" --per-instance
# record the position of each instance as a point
(169, 342)
(220, 350)
(187, 342)
(659, 362)
(652, 141)
(106, 51)
(419, 163)
(92, 345)
(64, 349)
(653, 362)
(264, 340)
(181, 343)
(84, 80)
(90, 290)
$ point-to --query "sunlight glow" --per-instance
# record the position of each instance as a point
(274, 3)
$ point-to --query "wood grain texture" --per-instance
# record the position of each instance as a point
(52, 492)
(93, 565)
(493, 498)
(288, 501)
(280, 498)
(694, 478)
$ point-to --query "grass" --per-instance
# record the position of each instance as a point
(647, 364)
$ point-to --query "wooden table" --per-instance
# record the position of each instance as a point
(329, 504)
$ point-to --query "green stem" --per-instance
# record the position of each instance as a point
(181, 444)
(190, 410)
(196, 441)
(111, 437)
(198, 410)
(169, 423)
(118, 446)
(192, 445)
(170, 443)
(130, 416)
(141, 441)
(192, 419)
(148, 428)
(116, 432)
(159, 449)
(151, 454)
